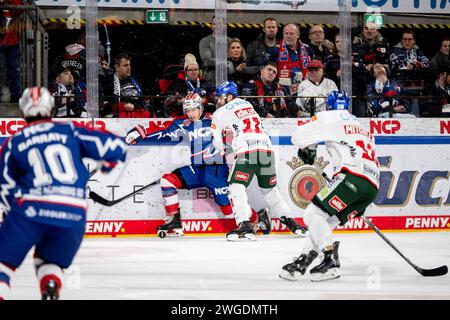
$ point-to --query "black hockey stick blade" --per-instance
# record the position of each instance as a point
(440, 271)
(436, 272)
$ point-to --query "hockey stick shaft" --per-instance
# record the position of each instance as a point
(425, 272)
(97, 198)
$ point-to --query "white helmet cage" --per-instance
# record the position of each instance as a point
(192, 100)
(36, 101)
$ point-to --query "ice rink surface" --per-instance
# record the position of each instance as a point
(212, 268)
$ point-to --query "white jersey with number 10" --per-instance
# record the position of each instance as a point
(350, 145)
(248, 131)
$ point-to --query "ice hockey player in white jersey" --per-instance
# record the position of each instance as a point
(353, 188)
(43, 188)
(254, 156)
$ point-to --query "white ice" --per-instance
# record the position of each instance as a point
(212, 268)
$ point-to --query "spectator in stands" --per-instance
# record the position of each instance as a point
(122, 92)
(237, 66)
(317, 38)
(69, 98)
(271, 104)
(330, 47)
(188, 81)
(292, 58)
(436, 100)
(9, 49)
(406, 55)
(313, 92)
(440, 61)
(360, 77)
(410, 67)
(75, 58)
(207, 50)
(371, 47)
(384, 99)
(257, 50)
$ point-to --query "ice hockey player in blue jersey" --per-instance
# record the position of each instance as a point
(207, 169)
(43, 188)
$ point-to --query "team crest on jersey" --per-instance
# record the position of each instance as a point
(306, 181)
(186, 122)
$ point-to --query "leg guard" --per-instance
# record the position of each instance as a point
(319, 227)
(226, 210)
(6, 273)
(169, 185)
(277, 205)
(48, 273)
(239, 201)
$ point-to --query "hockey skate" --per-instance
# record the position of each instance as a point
(264, 223)
(51, 291)
(172, 227)
(293, 271)
(329, 267)
(292, 225)
(244, 232)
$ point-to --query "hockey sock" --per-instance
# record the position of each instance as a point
(46, 272)
(227, 211)
(276, 203)
(254, 216)
(169, 185)
(6, 273)
(239, 202)
(319, 229)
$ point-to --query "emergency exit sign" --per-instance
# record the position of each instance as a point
(374, 20)
(157, 16)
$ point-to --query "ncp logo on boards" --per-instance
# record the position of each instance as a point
(384, 126)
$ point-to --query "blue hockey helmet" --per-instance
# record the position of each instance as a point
(338, 100)
(226, 88)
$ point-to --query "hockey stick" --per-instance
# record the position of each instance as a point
(93, 172)
(440, 271)
(108, 203)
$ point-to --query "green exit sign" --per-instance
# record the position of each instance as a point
(157, 16)
(374, 20)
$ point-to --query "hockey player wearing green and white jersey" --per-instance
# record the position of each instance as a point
(254, 156)
(353, 188)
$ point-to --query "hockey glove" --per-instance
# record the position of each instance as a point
(307, 155)
(135, 135)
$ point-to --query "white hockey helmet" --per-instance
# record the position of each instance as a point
(192, 100)
(37, 101)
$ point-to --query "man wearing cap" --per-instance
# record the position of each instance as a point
(69, 96)
(312, 93)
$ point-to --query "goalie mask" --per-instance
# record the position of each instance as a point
(36, 102)
(192, 100)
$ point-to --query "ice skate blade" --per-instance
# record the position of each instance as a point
(245, 237)
(286, 275)
(331, 274)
